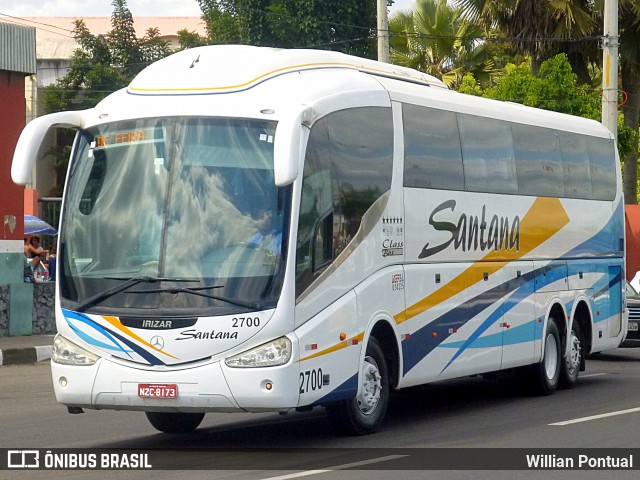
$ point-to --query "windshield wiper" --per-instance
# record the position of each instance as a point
(127, 283)
(196, 291)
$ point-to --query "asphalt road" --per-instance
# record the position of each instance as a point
(470, 413)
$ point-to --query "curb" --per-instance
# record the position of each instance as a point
(21, 356)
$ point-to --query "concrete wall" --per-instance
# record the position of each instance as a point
(40, 302)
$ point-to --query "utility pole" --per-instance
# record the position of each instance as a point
(610, 67)
(383, 32)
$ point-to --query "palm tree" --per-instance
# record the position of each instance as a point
(435, 39)
(532, 24)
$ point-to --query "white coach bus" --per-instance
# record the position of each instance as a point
(252, 229)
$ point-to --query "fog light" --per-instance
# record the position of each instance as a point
(266, 386)
(63, 382)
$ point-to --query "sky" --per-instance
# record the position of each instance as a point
(103, 8)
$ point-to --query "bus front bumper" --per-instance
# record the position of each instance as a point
(211, 387)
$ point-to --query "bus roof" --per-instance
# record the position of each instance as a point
(231, 68)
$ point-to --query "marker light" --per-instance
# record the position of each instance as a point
(272, 354)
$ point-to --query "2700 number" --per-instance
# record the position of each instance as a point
(239, 322)
(311, 380)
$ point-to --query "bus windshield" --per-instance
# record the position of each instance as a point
(183, 209)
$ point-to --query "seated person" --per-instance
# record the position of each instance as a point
(32, 248)
(35, 269)
(268, 237)
(35, 257)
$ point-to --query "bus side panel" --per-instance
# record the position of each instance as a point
(380, 297)
(460, 318)
(518, 316)
(607, 305)
(425, 311)
(328, 362)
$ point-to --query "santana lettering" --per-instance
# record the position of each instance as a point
(212, 335)
(471, 232)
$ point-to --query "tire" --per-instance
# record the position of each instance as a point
(363, 414)
(170, 422)
(570, 366)
(546, 374)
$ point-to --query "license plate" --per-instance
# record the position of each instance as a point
(157, 390)
(633, 327)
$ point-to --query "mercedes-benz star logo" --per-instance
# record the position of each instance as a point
(157, 342)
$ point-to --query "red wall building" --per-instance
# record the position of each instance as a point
(632, 220)
(17, 60)
(12, 120)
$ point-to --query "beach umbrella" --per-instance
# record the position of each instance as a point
(34, 225)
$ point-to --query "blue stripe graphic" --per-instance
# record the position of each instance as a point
(116, 338)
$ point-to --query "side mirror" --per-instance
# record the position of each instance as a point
(31, 138)
(287, 147)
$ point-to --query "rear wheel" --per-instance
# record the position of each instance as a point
(171, 422)
(363, 414)
(545, 375)
(570, 367)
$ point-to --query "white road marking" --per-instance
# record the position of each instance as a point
(592, 375)
(597, 417)
(336, 467)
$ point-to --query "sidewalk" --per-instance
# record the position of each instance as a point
(25, 349)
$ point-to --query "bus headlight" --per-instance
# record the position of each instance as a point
(272, 354)
(68, 353)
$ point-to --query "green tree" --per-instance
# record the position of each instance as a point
(104, 63)
(542, 29)
(556, 88)
(342, 25)
(435, 39)
(629, 25)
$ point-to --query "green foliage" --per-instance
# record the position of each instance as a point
(435, 39)
(469, 86)
(529, 24)
(556, 89)
(342, 25)
(105, 63)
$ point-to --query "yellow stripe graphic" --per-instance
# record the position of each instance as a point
(116, 323)
(335, 348)
(545, 218)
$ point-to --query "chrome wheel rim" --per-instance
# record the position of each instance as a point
(550, 356)
(371, 387)
(573, 359)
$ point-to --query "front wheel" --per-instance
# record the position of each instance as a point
(363, 414)
(170, 422)
(571, 363)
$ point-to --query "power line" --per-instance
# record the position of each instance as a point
(433, 36)
(34, 21)
(27, 23)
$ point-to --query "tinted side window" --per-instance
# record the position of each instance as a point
(432, 157)
(603, 170)
(487, 155)
(538, 161)
(577, 172)
(348, 165)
